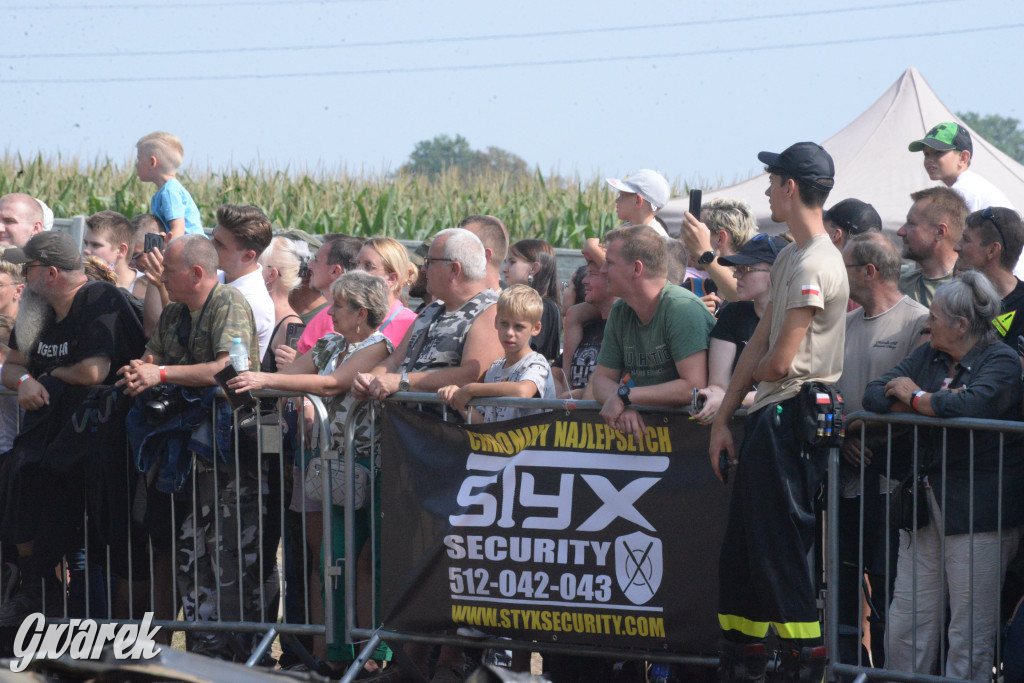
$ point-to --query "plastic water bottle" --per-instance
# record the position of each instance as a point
(239, 355)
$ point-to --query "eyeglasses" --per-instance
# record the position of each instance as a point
(25, 268)
(856, 265)
(743, 270)
(990, 215)
(763, 237)
(427, 260)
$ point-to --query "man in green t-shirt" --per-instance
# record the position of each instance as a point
(654, 351)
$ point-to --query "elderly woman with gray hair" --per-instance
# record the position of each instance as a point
(360, 304)
(973, 485)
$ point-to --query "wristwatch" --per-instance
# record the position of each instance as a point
(403, 385)
(706, 258)
(623, 393)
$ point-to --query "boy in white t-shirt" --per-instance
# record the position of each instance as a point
(522, 373)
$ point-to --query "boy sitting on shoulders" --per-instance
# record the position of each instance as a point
(522, 373)
(160, 156)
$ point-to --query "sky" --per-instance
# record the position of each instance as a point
(591, 87)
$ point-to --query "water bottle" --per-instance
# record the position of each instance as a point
(239, 355)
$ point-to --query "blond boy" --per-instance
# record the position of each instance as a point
(522, 373)
(109, 237)
(159, 157)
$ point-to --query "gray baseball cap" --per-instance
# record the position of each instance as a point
(51, 248)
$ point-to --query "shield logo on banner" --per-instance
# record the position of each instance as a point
(638, 566)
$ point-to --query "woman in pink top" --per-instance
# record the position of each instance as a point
(387, 258)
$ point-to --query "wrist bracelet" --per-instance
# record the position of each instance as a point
(163, 374)
(917, 396)
(23, 378)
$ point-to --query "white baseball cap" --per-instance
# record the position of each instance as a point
(649, 184)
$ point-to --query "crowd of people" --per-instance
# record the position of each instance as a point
(125, 338)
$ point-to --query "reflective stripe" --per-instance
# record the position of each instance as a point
(731, 622)
(792, 630)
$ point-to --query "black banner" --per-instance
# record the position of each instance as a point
(552, 527)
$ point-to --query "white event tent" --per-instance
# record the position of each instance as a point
(872, 160)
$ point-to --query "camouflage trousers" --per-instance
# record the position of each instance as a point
(219, 561)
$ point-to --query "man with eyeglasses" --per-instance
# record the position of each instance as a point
(451, 342)
(879, 334)
(71, 336)
(934, 225)
(764, 576)
(991, 244)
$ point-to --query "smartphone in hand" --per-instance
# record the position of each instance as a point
(696, 197)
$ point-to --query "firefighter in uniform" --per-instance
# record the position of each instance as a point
(765, 574)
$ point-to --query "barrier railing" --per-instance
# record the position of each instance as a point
(122, 594)
(938, 433)
(860, 505)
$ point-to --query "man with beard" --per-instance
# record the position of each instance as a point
(71, 335)
(934, 225)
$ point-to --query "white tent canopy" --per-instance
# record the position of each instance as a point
(872, 161)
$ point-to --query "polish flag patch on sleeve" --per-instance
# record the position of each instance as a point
(809, 290)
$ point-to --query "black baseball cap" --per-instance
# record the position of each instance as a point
(761, 248)
(51, 248)
(807, 162)
(854, 216)
(944, 137)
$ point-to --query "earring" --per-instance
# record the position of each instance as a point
(529, 278)
(357, 328)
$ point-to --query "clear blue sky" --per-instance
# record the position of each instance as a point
(694, 90)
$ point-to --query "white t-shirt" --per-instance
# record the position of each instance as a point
(535, 368)
(254, 289)
(979, 193)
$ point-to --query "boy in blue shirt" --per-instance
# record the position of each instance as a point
(160, 156)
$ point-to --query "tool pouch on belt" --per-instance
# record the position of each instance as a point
(820, 415)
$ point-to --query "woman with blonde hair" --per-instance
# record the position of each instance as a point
(281, 262)
(387, 258)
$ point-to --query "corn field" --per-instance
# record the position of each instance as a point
(563, 211)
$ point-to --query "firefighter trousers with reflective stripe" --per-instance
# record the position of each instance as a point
(765, 565)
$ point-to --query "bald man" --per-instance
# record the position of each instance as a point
(21, 217)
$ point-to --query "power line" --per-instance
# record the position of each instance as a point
(509, 65)
(465, 39)
(175, 6)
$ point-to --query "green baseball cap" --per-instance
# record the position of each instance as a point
(944, 137)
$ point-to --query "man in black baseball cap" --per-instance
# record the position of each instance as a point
(796, 348)
(848, 218)
(809, 165)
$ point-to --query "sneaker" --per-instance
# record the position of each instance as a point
(29, 600)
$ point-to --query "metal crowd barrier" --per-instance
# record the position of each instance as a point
(270, 448)
(877, 546)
